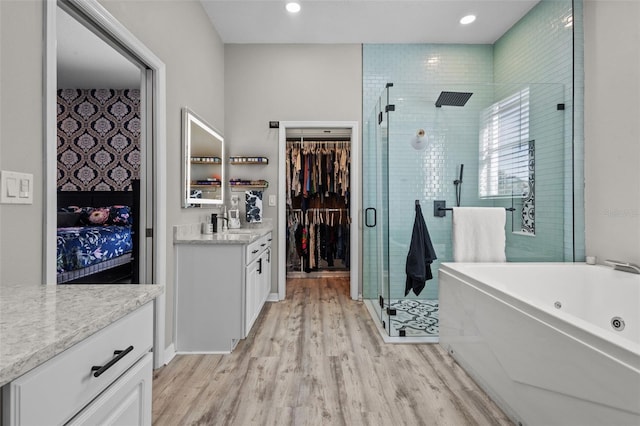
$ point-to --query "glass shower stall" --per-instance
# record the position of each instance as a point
(481, 145)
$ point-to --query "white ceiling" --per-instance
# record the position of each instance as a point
(86, 61)
(364, 21)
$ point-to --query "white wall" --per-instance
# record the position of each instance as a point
(181, 35)
(285, 83)
(21, 136)
(612, 129)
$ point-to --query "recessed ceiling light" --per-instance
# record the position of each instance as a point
(293, 7)
(467, 19)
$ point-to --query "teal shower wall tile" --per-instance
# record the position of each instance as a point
(419, 73)
(540, 49)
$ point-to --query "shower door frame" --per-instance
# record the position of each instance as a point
(379, 232)
(355, 287)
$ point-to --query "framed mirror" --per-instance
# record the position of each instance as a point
(203, 171)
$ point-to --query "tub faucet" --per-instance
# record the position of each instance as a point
(624, 266)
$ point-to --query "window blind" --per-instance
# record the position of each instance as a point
(504, 147)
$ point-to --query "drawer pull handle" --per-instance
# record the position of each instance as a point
(270, 239)
(254, 251)
(99, 369)
(263, 244)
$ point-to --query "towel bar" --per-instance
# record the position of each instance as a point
(440, 211)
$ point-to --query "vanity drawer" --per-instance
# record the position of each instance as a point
(59, 388)
(255, 248)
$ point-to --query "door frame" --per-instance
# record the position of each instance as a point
(153, 181)
(354, 201)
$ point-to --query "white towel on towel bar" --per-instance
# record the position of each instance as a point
(478, 234)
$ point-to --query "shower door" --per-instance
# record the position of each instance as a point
(376, 209)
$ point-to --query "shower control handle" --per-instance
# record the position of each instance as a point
(366, 217)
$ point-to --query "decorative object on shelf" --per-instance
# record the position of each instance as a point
(248, 160)
(253, 206)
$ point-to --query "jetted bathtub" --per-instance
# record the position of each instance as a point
(551, 343)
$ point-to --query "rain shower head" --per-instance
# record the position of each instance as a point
(453, 99)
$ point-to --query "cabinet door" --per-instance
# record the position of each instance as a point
(252, 293)
(265, 277)
(126, 402)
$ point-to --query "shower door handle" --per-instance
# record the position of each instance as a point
(366, 217)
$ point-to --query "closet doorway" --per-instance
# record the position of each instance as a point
(319, 193)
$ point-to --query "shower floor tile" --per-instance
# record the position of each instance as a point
(418, 318)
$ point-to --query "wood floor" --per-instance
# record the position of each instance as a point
(317, 359)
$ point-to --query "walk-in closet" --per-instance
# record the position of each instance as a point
(317, 168)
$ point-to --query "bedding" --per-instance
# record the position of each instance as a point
(92, 239)
(80, 247)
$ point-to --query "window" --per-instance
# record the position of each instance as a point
(504, 148)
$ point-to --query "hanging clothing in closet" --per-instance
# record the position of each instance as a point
(317, 168)
(318, 187)
(318, 239)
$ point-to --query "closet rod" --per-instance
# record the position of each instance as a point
(319, 209)
(311, 140)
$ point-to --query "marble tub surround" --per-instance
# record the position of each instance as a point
(39, 322)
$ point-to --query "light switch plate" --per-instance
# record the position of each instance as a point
(16, 188)
(272, 200)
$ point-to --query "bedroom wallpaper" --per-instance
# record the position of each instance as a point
(98, 139)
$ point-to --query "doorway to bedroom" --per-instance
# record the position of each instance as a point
(115, 137)
(99, 156)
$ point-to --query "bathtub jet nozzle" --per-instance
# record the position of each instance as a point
(617, 323)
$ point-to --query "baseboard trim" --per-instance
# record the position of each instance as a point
(169, 353)
(273, 297)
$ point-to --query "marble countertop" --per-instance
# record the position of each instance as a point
(39, 322)
(190, 234)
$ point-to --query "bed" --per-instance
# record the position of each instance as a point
(97, 236)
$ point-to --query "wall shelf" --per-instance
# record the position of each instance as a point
(206, 160)
(212, 185)
(242, 185)
(242, 160)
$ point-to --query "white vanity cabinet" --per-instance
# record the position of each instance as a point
(102, 380)
(222, 283)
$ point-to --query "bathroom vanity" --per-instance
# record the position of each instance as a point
(222, 283)
(77, 354)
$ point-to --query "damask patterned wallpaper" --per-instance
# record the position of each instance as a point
(98, 139)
